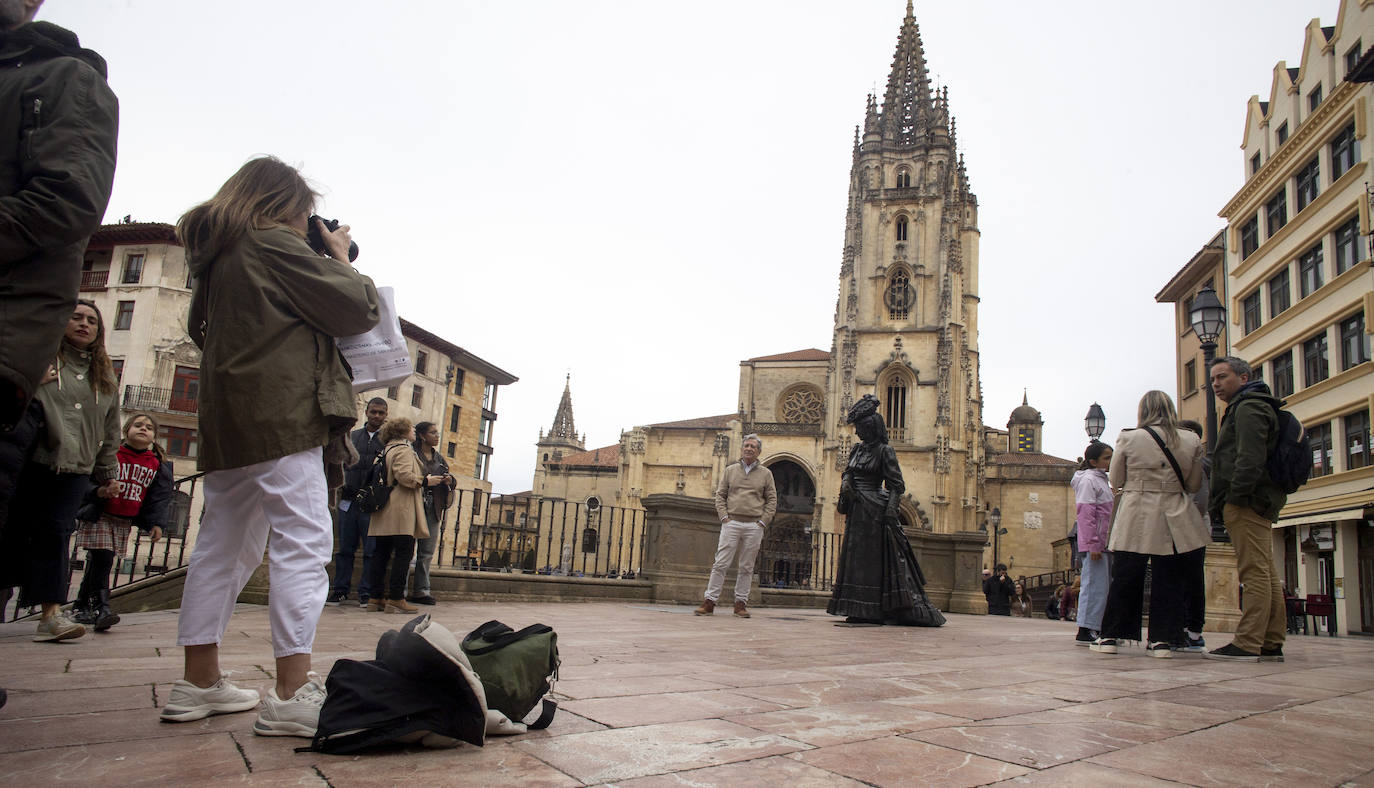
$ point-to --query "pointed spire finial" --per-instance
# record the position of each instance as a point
(1024, 401)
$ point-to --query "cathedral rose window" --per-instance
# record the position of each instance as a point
(802, 406)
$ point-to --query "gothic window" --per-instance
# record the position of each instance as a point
(899, 296)
(901, 228)
(589, 540)
(903, 179)
(894, 407)
(801, 405)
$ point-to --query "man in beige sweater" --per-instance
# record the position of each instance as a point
(745, 502)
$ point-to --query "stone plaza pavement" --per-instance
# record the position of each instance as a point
(654, 696)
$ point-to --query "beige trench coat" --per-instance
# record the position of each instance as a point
(1156, 515)
(404, 514)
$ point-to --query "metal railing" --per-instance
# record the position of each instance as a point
(95, 280)
(160, 399)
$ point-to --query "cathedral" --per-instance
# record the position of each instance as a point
(905, 330)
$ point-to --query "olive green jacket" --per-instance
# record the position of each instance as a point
(82, 432)
(1245, 438)
(265, 312)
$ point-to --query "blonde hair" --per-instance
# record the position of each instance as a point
(1157, 410)
(395, 429)
(264, 192)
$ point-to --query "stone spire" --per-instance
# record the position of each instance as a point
(563, 428)
(907, 101)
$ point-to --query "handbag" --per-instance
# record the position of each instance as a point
(378, 358)
(517, 668)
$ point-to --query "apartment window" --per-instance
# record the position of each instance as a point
(1349, 250)
(1345, 151)
(178, 441)
(1250, 306)
(1276, 212)
(1314, 364)
(1255, 164)
(1257, 373)
(1310, 271)
(1352, 56)
(1249, 237)
(1357, 440)
(1282, 367)
(901, 228)
(1354, 342)
(1283, 133)
(1319, 438)
(489, 397)
(1314, 99)
(421, 362)
(453, 419)
(479, 470)
(417, 396)
(118, 364)
(1280, 296)
(393, 392)
(124, 316)
(452, 449)
(1307, 182)
(458, 381)
(484, 435)
(133, 270)
(185, 389)
(1189, 378)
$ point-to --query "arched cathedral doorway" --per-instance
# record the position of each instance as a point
(785, 556)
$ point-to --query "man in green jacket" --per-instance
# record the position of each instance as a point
(1248, 502)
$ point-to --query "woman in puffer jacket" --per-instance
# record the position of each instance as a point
(1093, 499)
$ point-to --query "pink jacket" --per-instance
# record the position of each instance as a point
(1093, 496)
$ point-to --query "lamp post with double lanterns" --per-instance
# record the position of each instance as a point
(995, 519)
(1208, 319)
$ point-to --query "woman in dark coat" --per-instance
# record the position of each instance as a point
(878, 580)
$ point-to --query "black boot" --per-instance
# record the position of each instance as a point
(104, 616)
(1085, 636)
(82, 611)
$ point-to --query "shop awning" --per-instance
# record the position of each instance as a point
(1321, 517)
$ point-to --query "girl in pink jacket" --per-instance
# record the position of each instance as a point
(1093, 496)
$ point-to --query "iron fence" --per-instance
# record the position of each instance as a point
(161, 399)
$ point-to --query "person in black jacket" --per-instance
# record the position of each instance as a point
(999, 590)
(353, 521)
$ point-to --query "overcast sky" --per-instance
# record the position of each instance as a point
(644, 193)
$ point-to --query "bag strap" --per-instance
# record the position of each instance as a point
(1168, 455)
(545, 715)
(501, 641)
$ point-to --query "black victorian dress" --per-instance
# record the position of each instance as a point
(878, 578)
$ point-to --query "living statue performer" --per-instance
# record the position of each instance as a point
(878, 580)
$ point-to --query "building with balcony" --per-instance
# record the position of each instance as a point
(1299, 291)
(1205, 269)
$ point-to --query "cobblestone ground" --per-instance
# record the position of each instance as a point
(654, 696)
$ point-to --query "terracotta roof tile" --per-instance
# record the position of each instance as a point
(1028, 458)
(810, 354)
(604, 457)
(704, 423)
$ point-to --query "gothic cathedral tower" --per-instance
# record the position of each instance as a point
(906, 319)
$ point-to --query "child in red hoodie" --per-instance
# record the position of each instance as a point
(145, 486)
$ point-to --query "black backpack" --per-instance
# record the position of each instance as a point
(372, 497)
(1290, 463)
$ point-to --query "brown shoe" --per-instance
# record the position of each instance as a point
(707, 608)
(400, 606)
(741, 610)
(376, 605)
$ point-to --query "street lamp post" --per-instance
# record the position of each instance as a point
(1095, 422)
(1208, 319)
(995, 519)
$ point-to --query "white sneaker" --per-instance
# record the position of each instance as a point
(59, 627)
(189, 702)
(295, 717)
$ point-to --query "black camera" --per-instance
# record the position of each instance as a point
(316, 240)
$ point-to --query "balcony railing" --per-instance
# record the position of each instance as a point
(95, 280)
(159, 399)
(783, 428)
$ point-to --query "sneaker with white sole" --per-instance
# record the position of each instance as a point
(1159, 649)
(59, 627)
(188, 702)
(297, 716)
(1103, 646)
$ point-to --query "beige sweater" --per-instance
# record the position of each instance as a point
(747, 497)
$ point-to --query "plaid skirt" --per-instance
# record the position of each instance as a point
(110, 532)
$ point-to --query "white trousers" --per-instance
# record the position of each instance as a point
(736, 538)
(286, 499)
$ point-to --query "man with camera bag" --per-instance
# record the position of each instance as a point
(353, 521)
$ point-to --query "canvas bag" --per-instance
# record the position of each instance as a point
(378, 358)
(517, 668)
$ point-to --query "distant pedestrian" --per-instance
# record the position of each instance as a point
(1248, 502)
(1052, 605)
(1157, 467)
(1093, 503)
(265, 309)
(353, 520)
(397, 526)
(998, 588)
(437, 492)
(1021, 604)
(746, 500)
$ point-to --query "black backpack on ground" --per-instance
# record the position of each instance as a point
(372, 497)
(1290, 463)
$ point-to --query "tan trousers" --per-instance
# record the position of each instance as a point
(1263, 619)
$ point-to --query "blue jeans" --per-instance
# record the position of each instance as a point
(352, 530)
(1092, 595)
